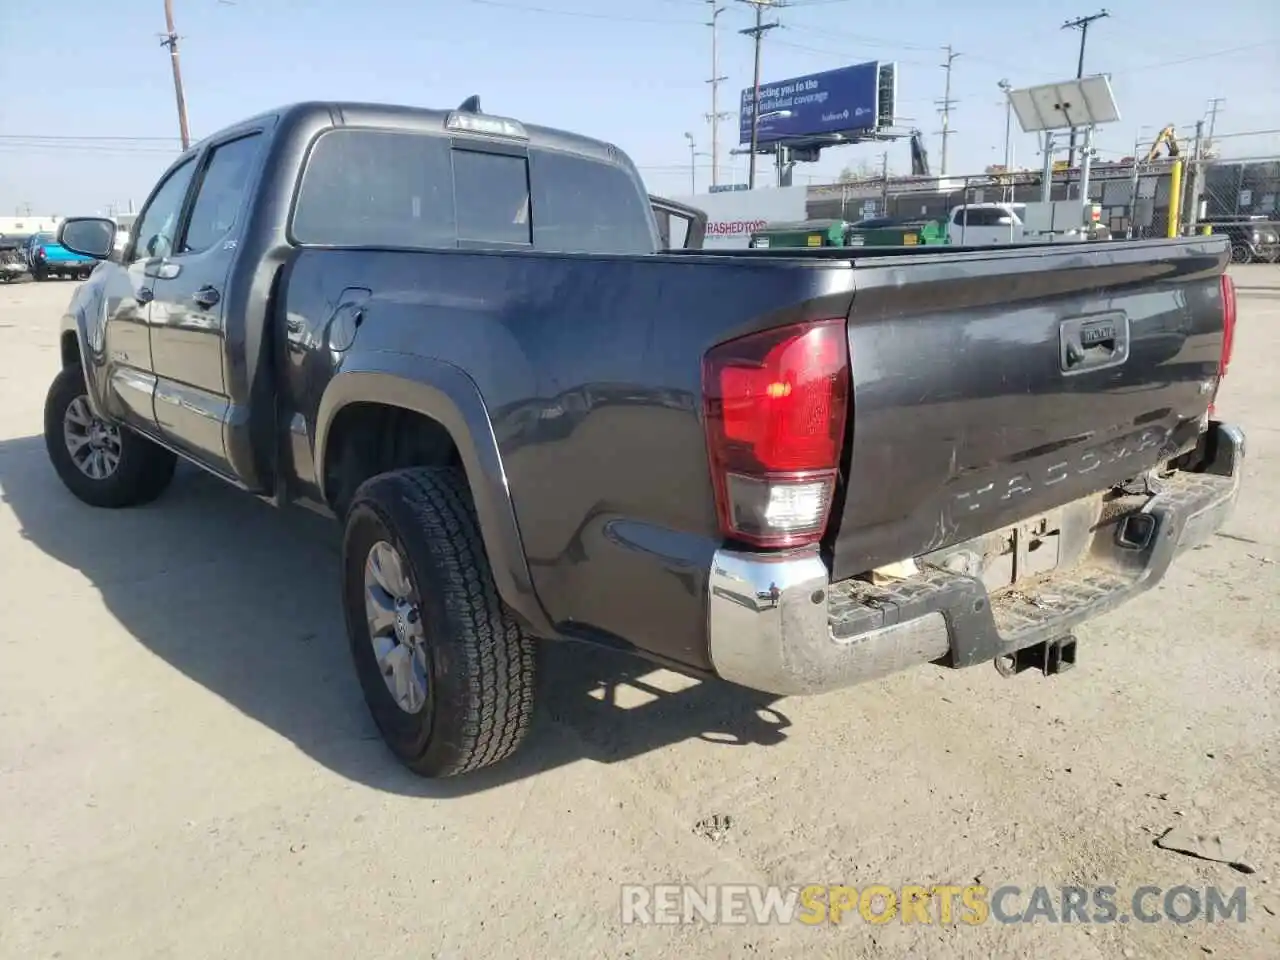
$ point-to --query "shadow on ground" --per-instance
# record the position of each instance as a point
(243, 599)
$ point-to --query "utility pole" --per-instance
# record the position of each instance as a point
(757, 34)
(693, 164)
(884, 181)
(1081, 24)
(715, 116)
(945, 105)
(1195, 188)
(171, 41)
(1214, 105)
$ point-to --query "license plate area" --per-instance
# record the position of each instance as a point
(1011, 555)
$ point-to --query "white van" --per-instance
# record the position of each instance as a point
(978, 224)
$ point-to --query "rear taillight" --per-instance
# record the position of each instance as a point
(775, 405)
(41, 253)
(1228, 332)
(1228, 323)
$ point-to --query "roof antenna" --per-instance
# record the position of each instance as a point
(470, 105)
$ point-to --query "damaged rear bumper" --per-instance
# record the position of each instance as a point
(777, 623)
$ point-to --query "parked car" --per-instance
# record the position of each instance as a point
(793, 470)
(12, 262)
(46, 257)
(1253, 239)
(978, 224)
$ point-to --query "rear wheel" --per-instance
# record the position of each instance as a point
(1240, 253)
(39, 274)
(102, 464)
(446, 670)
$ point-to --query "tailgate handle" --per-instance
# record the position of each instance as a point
(1088, 343)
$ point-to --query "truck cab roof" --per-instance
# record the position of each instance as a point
(323, 113)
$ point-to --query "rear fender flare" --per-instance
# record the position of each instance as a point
(446, 394)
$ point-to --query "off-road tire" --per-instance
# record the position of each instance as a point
(143, 473)
(481, 664)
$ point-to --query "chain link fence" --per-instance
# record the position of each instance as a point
(1241, 188)
(1135, 199)
(1111, 185)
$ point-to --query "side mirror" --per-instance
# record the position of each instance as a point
(88, 236)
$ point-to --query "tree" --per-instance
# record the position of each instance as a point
(863, 170)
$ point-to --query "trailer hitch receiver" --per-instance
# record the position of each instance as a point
(1051, 657)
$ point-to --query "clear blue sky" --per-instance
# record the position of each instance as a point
(629, 72)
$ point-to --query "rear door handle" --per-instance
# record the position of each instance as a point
(145, 295)
(1090, 343)
(205, 297)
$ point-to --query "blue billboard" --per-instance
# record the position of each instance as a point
(829, 102)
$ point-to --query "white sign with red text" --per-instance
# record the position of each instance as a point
(733, 216)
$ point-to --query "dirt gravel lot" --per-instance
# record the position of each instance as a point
(187, 769)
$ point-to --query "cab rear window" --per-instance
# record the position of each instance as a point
(383, 188)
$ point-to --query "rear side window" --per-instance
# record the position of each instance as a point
(371, 188)
(374, 188)
(584, 206)
(984, 216)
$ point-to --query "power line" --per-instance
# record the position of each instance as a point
(1199, 56)
(1081, 24)
(552, 11)
(64, 137)
(945, 105)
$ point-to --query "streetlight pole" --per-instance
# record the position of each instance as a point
(1008, 131)
(171, 41)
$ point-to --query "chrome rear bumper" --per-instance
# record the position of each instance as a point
(778, 624)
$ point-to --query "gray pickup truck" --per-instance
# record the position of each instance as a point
(464, 338)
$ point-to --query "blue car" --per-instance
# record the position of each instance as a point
(46, 258)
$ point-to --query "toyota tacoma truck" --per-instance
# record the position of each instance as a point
(463, 337)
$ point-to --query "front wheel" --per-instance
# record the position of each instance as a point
(1240, 253)
(447, 672)
(102, 464)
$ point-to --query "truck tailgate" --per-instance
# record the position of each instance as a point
(989, 388)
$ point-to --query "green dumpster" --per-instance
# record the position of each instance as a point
(805, 233)
(884, 232)
(874, 232)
